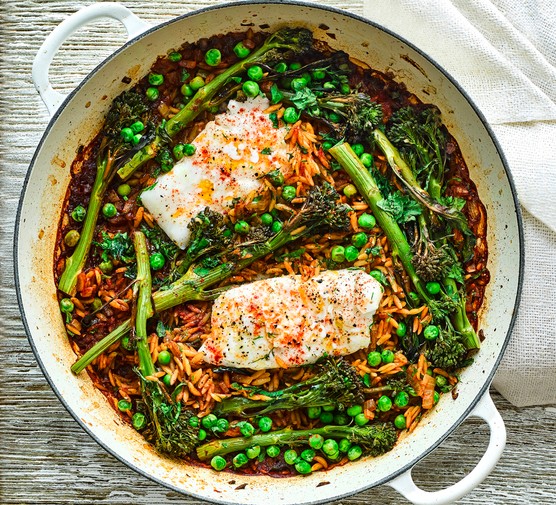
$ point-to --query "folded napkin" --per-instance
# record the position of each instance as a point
(503, 53)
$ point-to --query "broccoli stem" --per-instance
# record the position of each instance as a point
(368, 188)
(202, 100)
(144, 308)
(459, 318)
(366, 435)
(75, 263)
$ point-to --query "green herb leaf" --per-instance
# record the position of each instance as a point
(401, 207)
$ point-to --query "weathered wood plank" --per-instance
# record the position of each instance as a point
(45, 457)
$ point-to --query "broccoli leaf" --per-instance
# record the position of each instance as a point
(401, 207)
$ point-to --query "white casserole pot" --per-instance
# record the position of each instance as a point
(75, 121)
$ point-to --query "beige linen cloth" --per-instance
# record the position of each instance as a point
(503, 53)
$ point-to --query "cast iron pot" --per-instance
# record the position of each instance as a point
(76, 119)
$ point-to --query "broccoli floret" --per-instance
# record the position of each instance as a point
(448, 351)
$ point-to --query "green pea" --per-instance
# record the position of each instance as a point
(106, 267)
(152, 94)
(213, 57)
(66, 305)
(291, 115)
(387, 356)
(411, 392)
(187, 90)
(351, 253)
(272, 451)
(433, 288)
(276, 226)
(174, 56)
(218, 463)
(276, 177)
(316, 441)
(124, 189)
(308, 455)
(139, 421)
(313, 412)
(330, 446)
(354, 410)
(354, 452)
(253, 452)
(328, 408)
(436, 397)
(167, 380)
(265, 424)
(401, 400)
(288, 193)
(414, 297)
(401, 330)
(126, 343)
(209, 421)
(78, 214)
(164, 357)
(431, 332)
(318, 75)
(295, 65)
(335, 118)
(109, 210)
(136, 139)
(374, 359)
(345, 89)
(267, 219)
(197, 83)
(399, 422)
(137, 127)
(367, 160)
(71, 238)
(366, 221)
(328, 144)
(326, 417)
(240, 460)
(157, 261)
(384, 404)
(241, 51)
(221, 426)
(242, 227)
(344, 445)
(341, 419)
(298, 84)
(361, 419)
(281, 67)
(441, 381)
(290, 456)
(359, 239)
(338, 254)
(124, 405)
(246, 429)
(334, 456)
(255, 73)
(250, 88)
(126, 134)
(358, 149)
(202, 435)
(350, 190)
(177, 151)
(303, 467)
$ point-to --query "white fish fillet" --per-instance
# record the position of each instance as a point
(233, 153)
(292, 320)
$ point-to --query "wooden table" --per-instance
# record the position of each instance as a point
(45, 456)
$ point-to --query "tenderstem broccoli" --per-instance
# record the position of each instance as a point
(287, 42)
(128, 108)
(168, 427)
(374, 439)
(320, 212)
(336, 383)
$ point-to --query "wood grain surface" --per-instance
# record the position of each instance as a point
(45, 457)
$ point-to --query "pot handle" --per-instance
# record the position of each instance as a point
(486, 410)
(41, 65)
